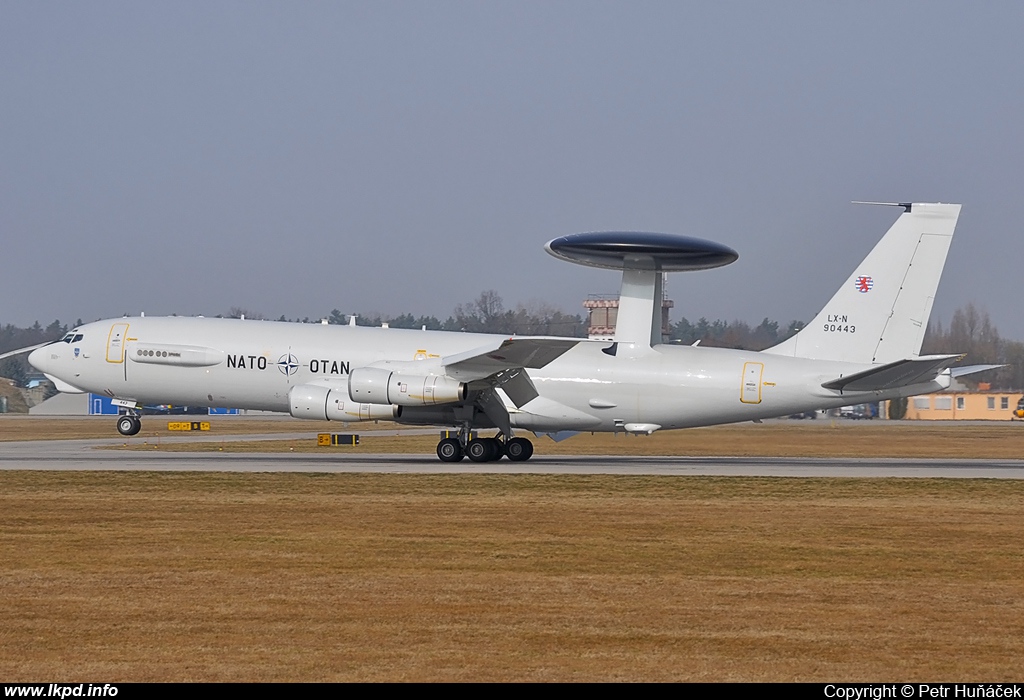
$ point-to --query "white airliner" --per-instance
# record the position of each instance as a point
(863, 346)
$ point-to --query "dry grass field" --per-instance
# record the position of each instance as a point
(184, 576)
(233, 576)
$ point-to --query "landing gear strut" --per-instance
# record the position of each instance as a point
(129, 425)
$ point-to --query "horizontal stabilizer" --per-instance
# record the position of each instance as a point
(971, 369)
(895, 374)
(525, 352)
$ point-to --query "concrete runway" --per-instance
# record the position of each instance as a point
(83, 455)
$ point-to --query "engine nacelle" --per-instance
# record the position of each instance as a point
(384, 386)
(331, 402)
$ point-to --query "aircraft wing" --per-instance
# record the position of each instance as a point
(895, 374)
(525, 352)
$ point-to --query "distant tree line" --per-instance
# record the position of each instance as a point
(971, 331)
(486, 314)
(735, 334)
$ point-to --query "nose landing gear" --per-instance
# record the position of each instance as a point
(129, 425)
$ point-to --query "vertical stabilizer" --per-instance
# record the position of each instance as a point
(880, 314)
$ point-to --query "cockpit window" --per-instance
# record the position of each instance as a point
(71, 338)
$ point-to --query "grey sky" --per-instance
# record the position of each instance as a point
(387, 157)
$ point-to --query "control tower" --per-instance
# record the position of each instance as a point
(603, 312)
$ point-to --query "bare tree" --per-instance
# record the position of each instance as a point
(237, 312)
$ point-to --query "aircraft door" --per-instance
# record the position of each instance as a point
(115, 343)
(751, 391)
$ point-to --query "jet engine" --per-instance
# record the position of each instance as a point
(331, 402)
(384, 386)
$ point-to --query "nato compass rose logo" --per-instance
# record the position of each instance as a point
(288, 364)
(864, 284)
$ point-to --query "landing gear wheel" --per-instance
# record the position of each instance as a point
(129, 425)
(519, 449)
(497, 449)
(480, 450)
(449, 450)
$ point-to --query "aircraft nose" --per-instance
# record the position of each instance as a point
(38, 358)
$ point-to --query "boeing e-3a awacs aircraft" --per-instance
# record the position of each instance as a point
(863, 346)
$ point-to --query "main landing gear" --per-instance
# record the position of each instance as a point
(129, 425)
(484, 449)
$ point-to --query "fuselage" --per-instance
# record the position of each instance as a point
(255, 364)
